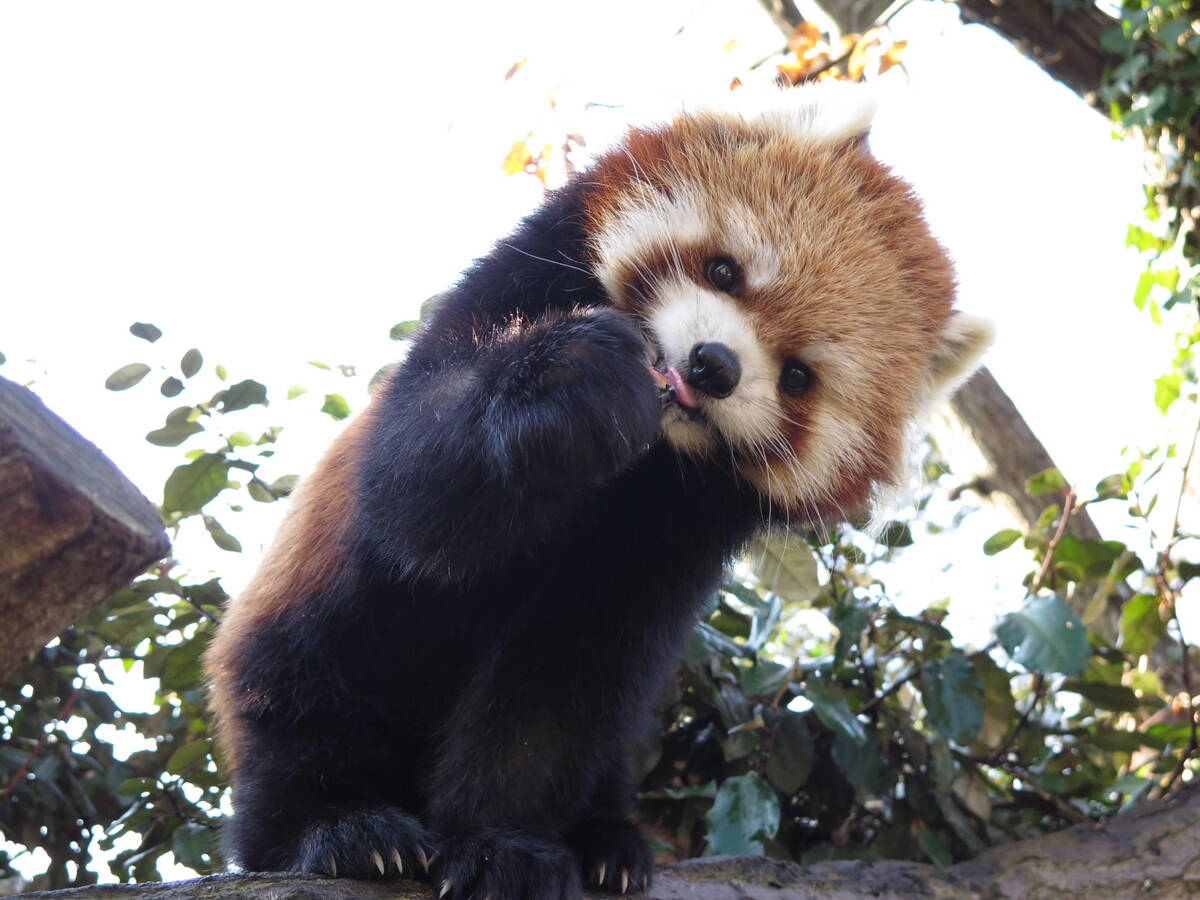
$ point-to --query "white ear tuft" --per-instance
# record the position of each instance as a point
(961, 344)
(827, 112)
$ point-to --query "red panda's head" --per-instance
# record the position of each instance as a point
(801, 306)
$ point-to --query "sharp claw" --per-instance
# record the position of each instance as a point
(600, 873)
(378, 860)
(422, 858)
(446, 885)
(398, 861)
(624, 881)
(332, 866)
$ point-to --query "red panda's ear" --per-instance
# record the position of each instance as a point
(960, 346)
(832, 112)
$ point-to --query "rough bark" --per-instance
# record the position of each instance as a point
(1149, 852)
(1064, 39)
(73, 529)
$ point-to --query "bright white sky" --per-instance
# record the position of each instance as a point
(281, 182)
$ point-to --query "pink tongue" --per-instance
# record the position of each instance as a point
(683, 391)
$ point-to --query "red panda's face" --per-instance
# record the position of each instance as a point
(801, 307)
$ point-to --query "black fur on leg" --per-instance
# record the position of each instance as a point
(613, 855)
(381, 843)
(505, 864)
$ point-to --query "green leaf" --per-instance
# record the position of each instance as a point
(1117, 741)
(999, 707)
(145, 331)
(784, 564)
(336, 406)
(173, 433)
(284, 485)
(171, 387)
(222, 372)
(1141, 625)
(126, 376)
(240, 439)
(431, 304)
(404, 330)
(829, 703)
(763, 678)
(895, 534)
(241, 395)
(1166, 390)
(135, 787)
(1001, 540)
(791, 759)
(186, 756)
(934, 848)
(3, 359)
(744, 814)
(1144, 240)
(319, 365)
(1115, 697)
(221, 537)
(1045, 636)
(954, 698)
(864, 764)
(191, 363)
(192, 485)
(1046, 482)
(194, 845)
(296, 390)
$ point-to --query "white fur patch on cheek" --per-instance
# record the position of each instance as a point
(687, 315)
(832, 449)
(647, 224)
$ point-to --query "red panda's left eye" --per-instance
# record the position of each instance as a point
(722, 273)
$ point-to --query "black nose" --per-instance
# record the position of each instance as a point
(714, 369)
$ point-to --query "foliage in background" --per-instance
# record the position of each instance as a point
(63, 788)
(810, 719)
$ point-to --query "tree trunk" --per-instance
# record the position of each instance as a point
(1062, 38)
(1150, 852)
(72, 528)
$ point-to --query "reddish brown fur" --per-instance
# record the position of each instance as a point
(858, 266)
(307, 553)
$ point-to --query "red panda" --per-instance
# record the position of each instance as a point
(479, 591)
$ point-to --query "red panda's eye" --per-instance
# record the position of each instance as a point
(722, 273)
(796, 378)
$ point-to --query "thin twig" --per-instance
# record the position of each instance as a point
(21, 772)
(1048, 559)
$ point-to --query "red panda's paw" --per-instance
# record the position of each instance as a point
(378, 843)
(613, 856)
(505, 864)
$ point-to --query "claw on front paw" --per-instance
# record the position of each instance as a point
(613, 855)
(383, 843)
(505, 864)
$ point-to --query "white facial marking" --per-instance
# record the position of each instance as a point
(687, 315)
(757, 257)
(647, 223)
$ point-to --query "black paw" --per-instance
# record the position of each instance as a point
(613, 856)
(505, 864)
(381, 843)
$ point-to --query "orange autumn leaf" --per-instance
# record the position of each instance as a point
(803, 37)
(515, 67)
(892, 56)
(735, 84)
(518, 158)
(857, 64)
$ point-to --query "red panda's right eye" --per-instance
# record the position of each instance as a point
(722, 273)
(796, 378)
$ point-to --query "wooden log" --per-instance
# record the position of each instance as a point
(1149, 852)
(73, 529)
